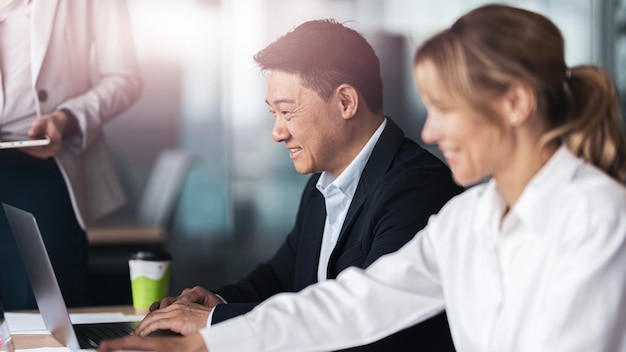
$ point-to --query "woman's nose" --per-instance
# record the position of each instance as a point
(430, 131)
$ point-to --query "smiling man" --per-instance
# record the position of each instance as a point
(371, 190)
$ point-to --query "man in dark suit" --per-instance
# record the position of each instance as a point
(371, 191)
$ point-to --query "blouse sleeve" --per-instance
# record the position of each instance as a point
(398, 290)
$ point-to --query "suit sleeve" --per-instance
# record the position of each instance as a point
(268, 279)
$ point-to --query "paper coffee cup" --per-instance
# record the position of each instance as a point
(149, 278)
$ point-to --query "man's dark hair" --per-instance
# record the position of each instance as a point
(326, 54)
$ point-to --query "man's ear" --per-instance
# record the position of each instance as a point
(348, 99)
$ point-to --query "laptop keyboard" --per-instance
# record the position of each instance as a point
(90, 335)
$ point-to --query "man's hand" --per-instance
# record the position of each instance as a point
(51, 126)
(193, 343)
(189, 295)
(183, 318)
(185, 314)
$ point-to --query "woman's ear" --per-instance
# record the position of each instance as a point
(520, 101)
(348, 98)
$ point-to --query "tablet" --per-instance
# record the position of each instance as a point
(17, 140)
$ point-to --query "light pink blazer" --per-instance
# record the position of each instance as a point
(83, 59)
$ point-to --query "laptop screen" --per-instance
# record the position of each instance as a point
(41, 275)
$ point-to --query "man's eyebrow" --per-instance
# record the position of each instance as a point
(281, 100)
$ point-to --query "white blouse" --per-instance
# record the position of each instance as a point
(550, 276)
(17, 99)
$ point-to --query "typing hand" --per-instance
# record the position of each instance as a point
(180, 317)
(197, 295)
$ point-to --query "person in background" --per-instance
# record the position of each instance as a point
(532, 260)
(371, 190)
(66, 68)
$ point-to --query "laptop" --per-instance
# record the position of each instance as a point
(48, 294)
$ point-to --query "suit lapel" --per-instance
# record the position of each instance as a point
(318, 219)
(311, 242)
(381, 158)
(43, 16)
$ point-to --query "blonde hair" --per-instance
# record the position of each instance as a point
(493, 46)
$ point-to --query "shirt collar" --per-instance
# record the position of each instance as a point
(531, 208)
(348, 180)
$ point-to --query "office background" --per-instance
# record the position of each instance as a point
(203, 94)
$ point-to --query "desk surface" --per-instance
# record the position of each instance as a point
(24, 341)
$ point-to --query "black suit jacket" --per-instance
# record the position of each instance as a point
(401, 186)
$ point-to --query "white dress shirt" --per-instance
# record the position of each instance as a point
(338, 193)
(550, 276)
